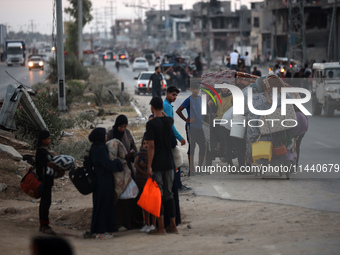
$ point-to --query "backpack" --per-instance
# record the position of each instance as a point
(83, 178)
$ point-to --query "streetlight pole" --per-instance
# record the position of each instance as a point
(80, 31)
(60, 58)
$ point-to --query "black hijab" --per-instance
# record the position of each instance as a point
(97, 135)
(120, 121)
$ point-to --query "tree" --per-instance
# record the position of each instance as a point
(72, 31)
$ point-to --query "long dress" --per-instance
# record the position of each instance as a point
(128, 213)
(103, 214)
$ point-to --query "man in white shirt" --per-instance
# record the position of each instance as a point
(247, 62)
(234, 60)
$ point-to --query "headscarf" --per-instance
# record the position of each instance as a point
(97, 135)
(120, 121)
(42, 136)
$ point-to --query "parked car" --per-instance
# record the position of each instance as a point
(140, 64)
(109, 55)
(35, 61)
(326, 88)
(142, 81)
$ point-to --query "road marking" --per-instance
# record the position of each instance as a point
(324, 145)
(272, 248)
(220, 190)
(140, 115)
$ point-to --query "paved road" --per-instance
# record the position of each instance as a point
(311, 190)
(21, 74)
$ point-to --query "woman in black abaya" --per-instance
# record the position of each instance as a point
(128, 213)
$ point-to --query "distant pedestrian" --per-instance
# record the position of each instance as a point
(247, 62)
(199, 65)
(234, 60)
(103, 59)
(157, 83)
(256, 72)
(117, 65)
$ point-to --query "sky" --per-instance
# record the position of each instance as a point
(37, 15)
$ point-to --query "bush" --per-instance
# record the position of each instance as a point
(28, 132)
(73, 69)
(77, 149)
(86, 120)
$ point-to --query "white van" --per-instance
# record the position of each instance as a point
(326, 88)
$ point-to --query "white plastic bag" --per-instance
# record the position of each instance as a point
(177, 154)
(131, 191)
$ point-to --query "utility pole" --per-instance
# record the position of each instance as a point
(80, 31)
(202, 29)
(330, 38)
(241, 29)
(60, 58)
(208, 34)
(32, 26)
(289, 33)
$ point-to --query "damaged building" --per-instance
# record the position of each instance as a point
(219, 28)
(312, 26)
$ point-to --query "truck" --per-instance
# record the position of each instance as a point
(15, 52)
(326, 88)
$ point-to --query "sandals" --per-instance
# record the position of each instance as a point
(156, 233)
(47, 230)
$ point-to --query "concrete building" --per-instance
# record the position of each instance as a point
(313, 28)
(169, 28)
(222, 29)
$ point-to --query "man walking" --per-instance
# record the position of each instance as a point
(171, 96)
(247, 62)
(199, 65)
(157, 83)
(160, 162)
(234, 60)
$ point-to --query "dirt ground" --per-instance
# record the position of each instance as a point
(209, 225)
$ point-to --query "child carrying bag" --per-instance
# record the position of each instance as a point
(151, 199)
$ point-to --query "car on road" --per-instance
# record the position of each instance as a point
(35, 61)
(140, 64)
(326, 88)
(123, 58)
(142, 81)
(151, 58)
(109, 55)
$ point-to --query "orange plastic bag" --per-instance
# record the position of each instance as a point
(150, 200)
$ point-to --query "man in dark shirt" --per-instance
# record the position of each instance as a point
(199, 66)
(157, 83)
(160, 162)
(256, 72)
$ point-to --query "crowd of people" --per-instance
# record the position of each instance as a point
(154, 159)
